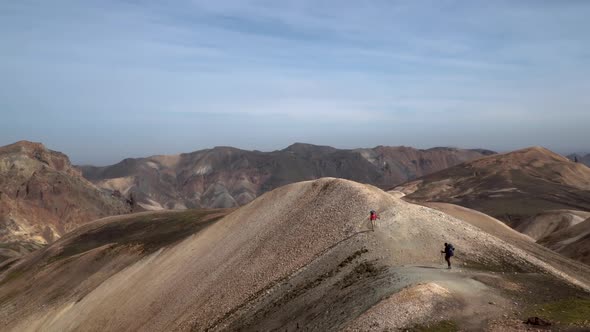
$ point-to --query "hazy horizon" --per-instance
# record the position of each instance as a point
(105, 81)
(135, 155)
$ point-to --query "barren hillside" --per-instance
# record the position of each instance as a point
(548, 222)
(573, 242)
(512, 187)
(228, 177)
(42, 197)
(530, 245)
(303, 257)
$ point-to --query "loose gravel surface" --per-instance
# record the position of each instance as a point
(304, 257)
(402, 308)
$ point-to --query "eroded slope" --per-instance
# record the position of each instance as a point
(511, 187)
(229, 177)
(42, 197)
(303, 256)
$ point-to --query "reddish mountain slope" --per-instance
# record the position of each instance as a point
(42, 196)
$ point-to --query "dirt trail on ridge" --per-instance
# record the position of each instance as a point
(303, 256)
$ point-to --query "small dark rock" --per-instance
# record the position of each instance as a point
(537, 321)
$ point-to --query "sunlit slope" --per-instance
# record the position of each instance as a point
(511, 187)
(302, 255)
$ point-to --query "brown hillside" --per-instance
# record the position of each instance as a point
(573, 242)
(548, 222)
(301, 256)
(497, 228)
(483, 221)
(584, 159)
(80, 261)
(42, 197)
(512, 187)
(229, 177)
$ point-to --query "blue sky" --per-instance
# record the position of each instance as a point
(105, 80)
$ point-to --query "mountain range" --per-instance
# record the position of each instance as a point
(43, 196)
(301, 256)
(511, 187)
(535, 191)
(228, 177)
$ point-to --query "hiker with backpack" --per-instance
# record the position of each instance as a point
(449, 252)
(373, 218)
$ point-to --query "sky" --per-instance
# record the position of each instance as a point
(106, 80)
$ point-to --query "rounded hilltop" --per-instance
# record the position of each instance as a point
(304, 255)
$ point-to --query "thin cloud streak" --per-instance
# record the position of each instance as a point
(326, 70)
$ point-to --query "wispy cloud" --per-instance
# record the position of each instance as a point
(319, 67)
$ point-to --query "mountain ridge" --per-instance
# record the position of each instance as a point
(300, 256)
(533, 190)
(228, 177)
(511, 186)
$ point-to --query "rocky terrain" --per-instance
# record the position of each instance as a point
(512, 187)
(42, 196)
(303, 257)
(229, 177)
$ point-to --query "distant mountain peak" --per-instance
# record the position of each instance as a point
(226, 176)
(500, 185)
(25, 145)
(536, 148)
(307, 147)
(534, 152)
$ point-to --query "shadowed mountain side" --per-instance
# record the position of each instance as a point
(303, 256)
(42, 197)
(548, 222)
(227, 177)
(511, 187)
(573, 242)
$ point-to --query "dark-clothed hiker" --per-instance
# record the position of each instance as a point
(373, 218)
(449, 252)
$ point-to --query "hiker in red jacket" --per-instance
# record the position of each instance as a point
(373, 218)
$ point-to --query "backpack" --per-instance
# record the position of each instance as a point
(451, 250)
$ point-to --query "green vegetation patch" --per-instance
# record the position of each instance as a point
(362, 271)
(568, 311)
(442, 326)
(151, 232)
(500, 264)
